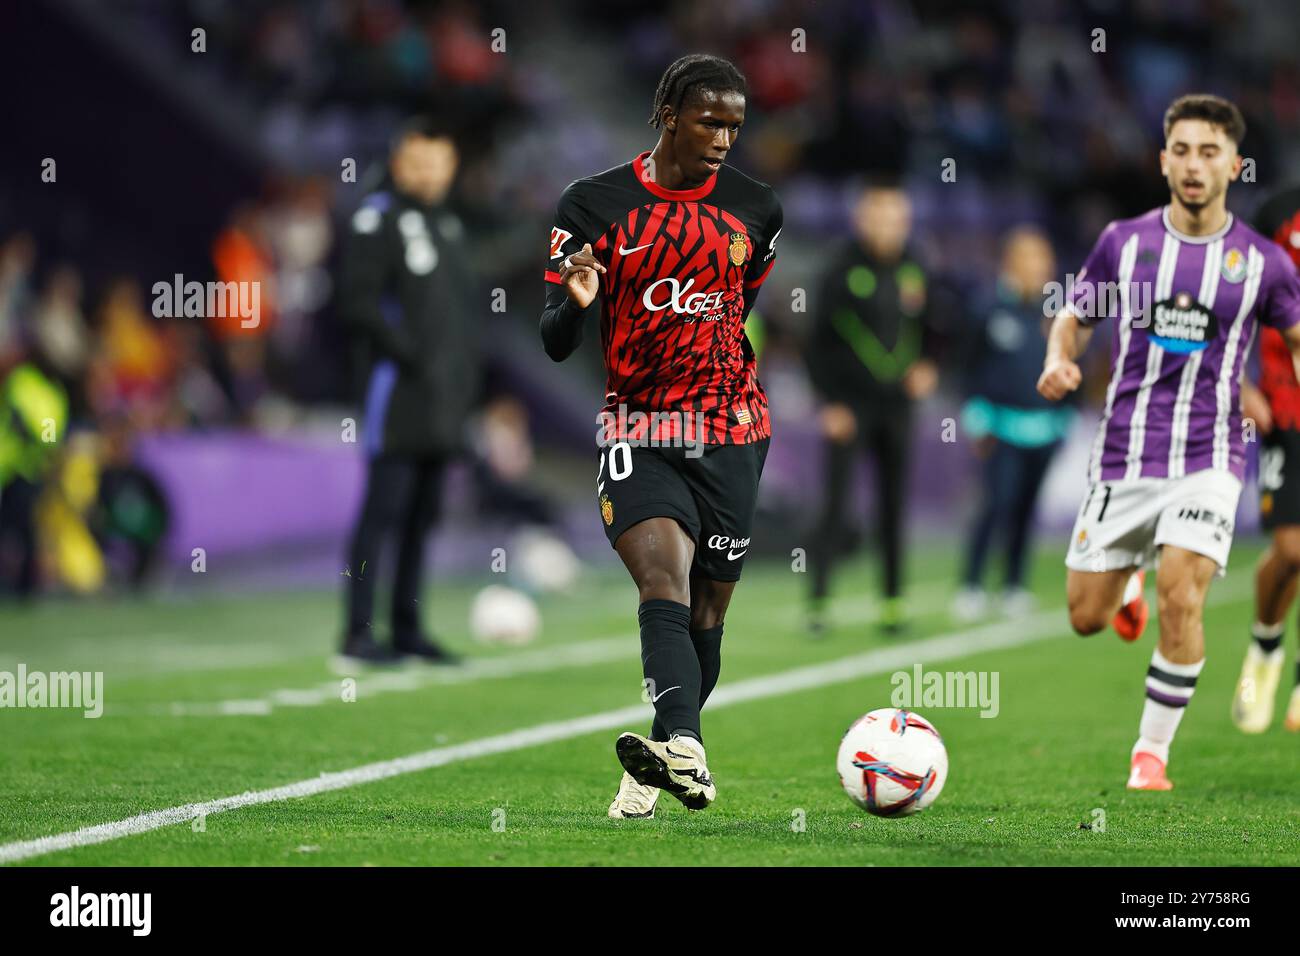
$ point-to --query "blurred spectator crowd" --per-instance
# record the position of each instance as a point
(1045, 113)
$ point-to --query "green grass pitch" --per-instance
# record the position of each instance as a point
(212, 697)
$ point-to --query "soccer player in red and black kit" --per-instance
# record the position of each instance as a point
(1275, 408)
(669, 251)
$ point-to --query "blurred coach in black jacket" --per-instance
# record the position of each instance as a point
(871, 356)
(407, 295)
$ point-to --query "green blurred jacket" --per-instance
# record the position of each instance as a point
(33, 416)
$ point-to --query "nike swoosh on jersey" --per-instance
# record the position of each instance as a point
(627, 252)
(732, 557)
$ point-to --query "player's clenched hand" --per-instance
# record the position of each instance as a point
(1059, 378)
(580, 278)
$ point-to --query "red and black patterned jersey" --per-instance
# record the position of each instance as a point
(682, 265)
(1279, 219)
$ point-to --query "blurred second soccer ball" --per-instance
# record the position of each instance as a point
(502, 615)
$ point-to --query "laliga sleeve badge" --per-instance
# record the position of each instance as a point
(737, 250)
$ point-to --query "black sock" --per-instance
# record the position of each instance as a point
(1269, 638)
(670, 666)
(708, 650)
(1268, 644)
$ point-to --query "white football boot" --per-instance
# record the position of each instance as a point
(676, 766)
(633, 801)
(1252, 703)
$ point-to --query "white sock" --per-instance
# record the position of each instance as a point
(1169, 688)
(1266, 631)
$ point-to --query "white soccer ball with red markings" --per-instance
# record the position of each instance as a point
(892, 762)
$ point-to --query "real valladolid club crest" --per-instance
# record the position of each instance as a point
(737, 250)
(1234, 265)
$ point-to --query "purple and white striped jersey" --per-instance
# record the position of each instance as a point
(1187, 308)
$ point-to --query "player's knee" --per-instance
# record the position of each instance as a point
(1086, 618)
(1178, 599)
(664, 584)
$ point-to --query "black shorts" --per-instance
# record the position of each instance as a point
(1279, 479)
(710, 489)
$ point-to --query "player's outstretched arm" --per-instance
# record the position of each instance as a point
(569, 302)
(1065, 343)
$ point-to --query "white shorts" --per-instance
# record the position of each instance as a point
(1123, 523)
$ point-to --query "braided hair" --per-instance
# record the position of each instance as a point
(692, 74)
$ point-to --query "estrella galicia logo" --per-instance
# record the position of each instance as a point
(1182, 324)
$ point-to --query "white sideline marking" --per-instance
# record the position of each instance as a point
(993, 636)
(550, 658)
(161, 653)
(369, 684)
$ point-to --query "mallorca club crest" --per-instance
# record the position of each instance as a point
(1234, 265)
(737, 250)
(606, 510)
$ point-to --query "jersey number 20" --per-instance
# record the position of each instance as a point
(620, 464)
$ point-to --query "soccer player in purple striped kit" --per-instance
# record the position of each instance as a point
(1187, 284)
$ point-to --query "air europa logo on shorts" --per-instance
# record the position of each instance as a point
(677, 299)
(1182, 324)
(720, 542)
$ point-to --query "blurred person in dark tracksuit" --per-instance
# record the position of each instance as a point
(406, 291)
(871, 358)
(1017, 431)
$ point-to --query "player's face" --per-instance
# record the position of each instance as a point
(424, 168)
(705, 130)
(1198, 161)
